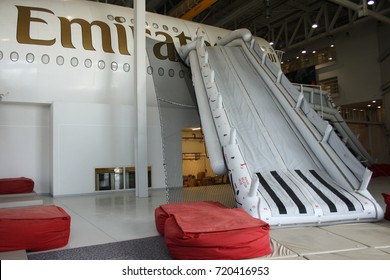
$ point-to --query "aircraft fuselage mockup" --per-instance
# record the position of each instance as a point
(82, 51)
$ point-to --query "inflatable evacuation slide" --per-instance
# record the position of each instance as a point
(287, 166)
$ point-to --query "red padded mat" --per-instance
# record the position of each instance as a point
(164, 211)
(208, 230)
(16, 185)
(34, 228)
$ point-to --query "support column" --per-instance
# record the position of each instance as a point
(141, 143)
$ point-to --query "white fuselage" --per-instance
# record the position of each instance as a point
(72, 64)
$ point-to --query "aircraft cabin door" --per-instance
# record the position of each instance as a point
(197, 30)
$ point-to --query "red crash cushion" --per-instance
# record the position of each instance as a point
(16, 185)
(162, 213)
(221, 234)
(387, 201)
(34, 228)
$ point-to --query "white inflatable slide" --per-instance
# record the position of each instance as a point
(286, 165)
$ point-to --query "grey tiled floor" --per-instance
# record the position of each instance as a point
(118, 216)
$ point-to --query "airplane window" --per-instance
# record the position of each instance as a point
(14, 56)
(175, 29)
(126, 67)
(150, 70)
(165, 27)
(1, 55)
(110, 17)
(120, 19)
(30, 58)
(74, 61)
(155, 25)
(114, 66)
(161, 71)
(45, 59)
(101, 64)
(181, 74)
(171, 72)
(88, 63)
(60, 60)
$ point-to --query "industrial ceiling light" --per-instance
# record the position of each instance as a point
(370, 2)
(303, 50)
(314, 25)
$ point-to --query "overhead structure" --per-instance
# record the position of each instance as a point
(189, 9)
(287, 23)
(362, 10)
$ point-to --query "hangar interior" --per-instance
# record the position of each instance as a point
(345, 55)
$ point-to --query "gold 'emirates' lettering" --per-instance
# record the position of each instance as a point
(121, 32)
(86, 30)
(170, 47)
(24, 26)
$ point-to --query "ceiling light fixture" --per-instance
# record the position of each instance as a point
(314, 25)
(303, 50)
(370, 2)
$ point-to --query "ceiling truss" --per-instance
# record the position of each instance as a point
(286, 23)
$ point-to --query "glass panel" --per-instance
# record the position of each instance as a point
(117, 178)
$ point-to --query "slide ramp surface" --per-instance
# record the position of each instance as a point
(286, 165)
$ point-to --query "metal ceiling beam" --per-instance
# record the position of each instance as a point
(362, 10)
(188, 9)
(334, 19)
(320, 14)
(297, 27)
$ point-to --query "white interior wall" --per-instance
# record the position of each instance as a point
(88, 136)
(384, 61)
(356, 65)
(384, 55)
(360, 78)
(25, 145)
